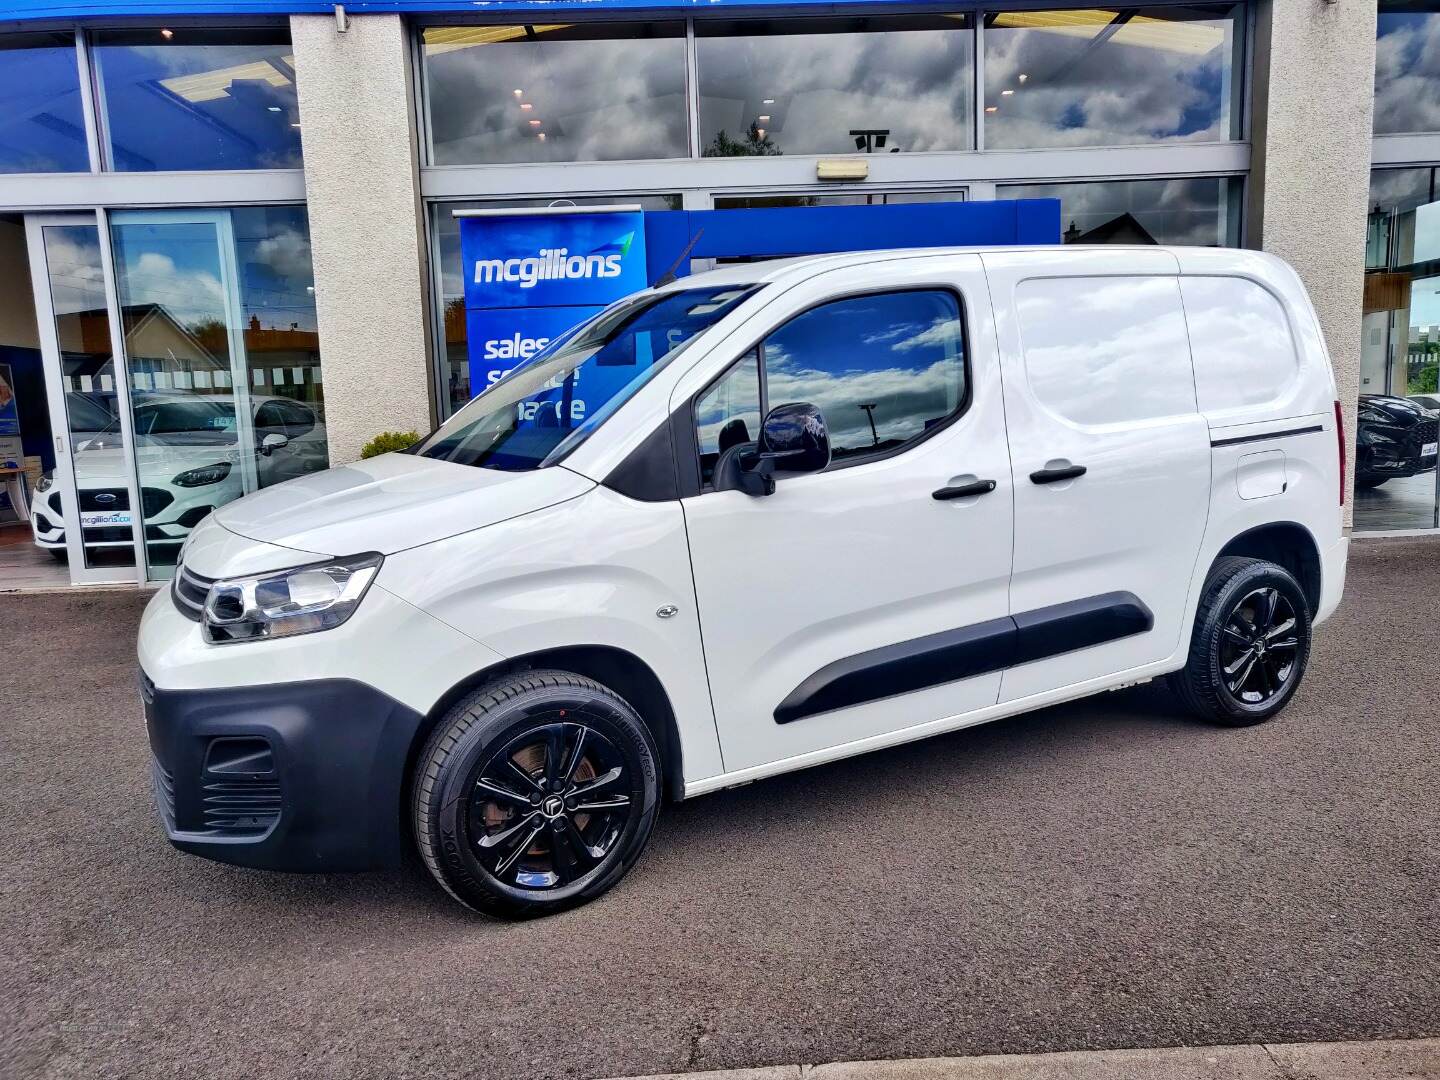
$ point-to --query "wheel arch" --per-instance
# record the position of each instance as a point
(1285, 543)
(622, 671)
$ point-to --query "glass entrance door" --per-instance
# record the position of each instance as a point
(95, 493)
(195, 448)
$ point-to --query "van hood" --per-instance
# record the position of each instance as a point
(393, 502)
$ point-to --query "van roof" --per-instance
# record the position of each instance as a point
(772, 270)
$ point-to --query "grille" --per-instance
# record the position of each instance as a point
(109, 534)
(105, 499)
(152, 499)
(164, 791)
(188, 590)
(147, 688)
(241, 807)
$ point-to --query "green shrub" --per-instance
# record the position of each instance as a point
(387, 441)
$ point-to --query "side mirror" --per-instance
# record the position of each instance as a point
(793, 438)
(272, 442)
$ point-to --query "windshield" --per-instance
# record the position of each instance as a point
(541, 411)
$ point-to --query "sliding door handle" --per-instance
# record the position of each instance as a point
(1054, 476)
(960, 491)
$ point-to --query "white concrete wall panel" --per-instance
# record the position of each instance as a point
(1313, 98)
(362, 186)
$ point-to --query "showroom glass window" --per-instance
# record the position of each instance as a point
(218, 312)
(42, 122)
(197, 98)
(1112, 76)
(598, 92)
(835, 86)
(1395, 479)
(445, 246)
(1200, 212)
(1407, 68)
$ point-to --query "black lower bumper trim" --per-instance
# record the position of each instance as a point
(327, 795)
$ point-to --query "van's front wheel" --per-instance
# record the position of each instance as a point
(1250, 645)
(535, 793)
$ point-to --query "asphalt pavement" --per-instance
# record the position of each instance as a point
(1106, 874)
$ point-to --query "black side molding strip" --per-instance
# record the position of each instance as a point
(1078, 624)
(973, 650)
(1267, 435)
(902, 668)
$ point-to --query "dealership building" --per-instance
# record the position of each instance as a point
(240, 217)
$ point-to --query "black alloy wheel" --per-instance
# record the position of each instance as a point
(1250, 643)
(1259, 646)
(535, 793)
(550, 805)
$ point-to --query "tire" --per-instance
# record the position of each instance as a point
(1227, 679)
(510, 819)
(60, 555)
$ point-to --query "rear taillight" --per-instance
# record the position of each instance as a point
(1340, 443)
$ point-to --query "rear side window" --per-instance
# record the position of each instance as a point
(1106, 350)
(884, 368)
(1244, 352)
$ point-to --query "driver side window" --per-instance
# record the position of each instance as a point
(728, 414)
(884, 369)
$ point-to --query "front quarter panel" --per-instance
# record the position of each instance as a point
(591, 571)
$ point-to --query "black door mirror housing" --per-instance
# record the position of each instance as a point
(793, 438)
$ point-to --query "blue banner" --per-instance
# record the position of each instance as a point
(501, 339)
(530, 277)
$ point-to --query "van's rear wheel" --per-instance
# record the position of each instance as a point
(535, 793)
(1250, 646)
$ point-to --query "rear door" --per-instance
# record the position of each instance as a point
(853, 603)
(1111, 461)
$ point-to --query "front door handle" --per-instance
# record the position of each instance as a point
(1054, 476)
(960, 491)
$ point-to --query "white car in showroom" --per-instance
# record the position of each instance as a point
(187, 457)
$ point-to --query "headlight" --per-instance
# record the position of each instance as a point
(319, 596)
(45, 483)
(205, 474)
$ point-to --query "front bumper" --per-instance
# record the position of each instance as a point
(300, 776)
(1397, 467)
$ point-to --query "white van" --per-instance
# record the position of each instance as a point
(749, 522)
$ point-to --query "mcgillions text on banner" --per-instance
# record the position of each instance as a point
(532, 276)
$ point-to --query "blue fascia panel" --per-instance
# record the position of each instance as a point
(78, 9)
(819, 230)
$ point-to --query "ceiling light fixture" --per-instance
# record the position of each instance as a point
(519, 93)
(540, 135)
(1006, 93)
(1023, 76)
(167, 34)
(534, 123)
(525, 106)
(768, 101)
(764, 119)
(992, 108)
(273, 108)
